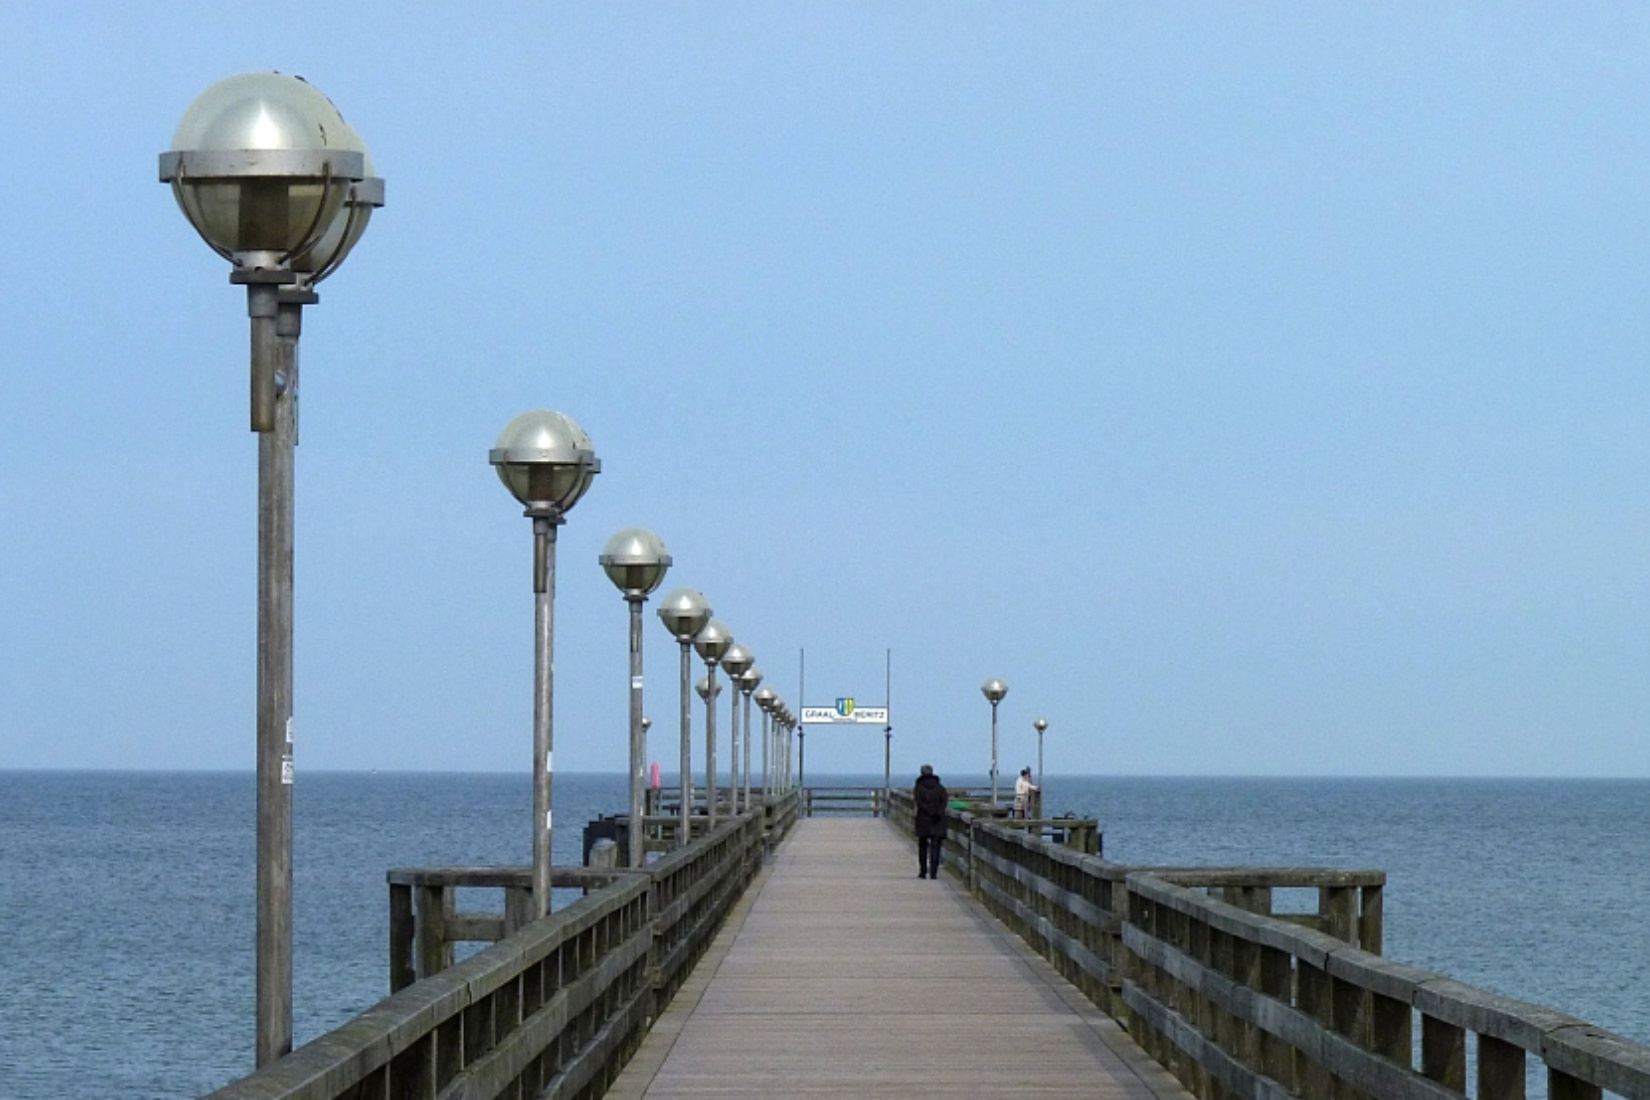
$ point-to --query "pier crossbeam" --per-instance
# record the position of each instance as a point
(844, 974)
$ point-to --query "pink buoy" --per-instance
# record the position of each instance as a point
(653, 775)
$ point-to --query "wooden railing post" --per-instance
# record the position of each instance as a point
(403, 967)
(1370, 918)
(1276, 977)
(434, 904)
(1561, 1086)
(1313, 996)
(1444, 1053)
(1500, 1070)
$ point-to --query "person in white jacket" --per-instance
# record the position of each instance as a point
(1024, 788)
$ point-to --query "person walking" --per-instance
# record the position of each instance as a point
(931, 799)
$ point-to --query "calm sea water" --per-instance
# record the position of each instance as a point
(127, 898)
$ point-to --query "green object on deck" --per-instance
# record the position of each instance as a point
(957, 804)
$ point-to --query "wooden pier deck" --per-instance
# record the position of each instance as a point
(842, 973)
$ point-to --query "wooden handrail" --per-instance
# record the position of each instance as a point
(554, 1009)
(1238, 1000)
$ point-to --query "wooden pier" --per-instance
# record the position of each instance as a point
(844, 974)
(782, 955)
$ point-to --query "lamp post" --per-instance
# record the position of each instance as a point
(684, 613)
(708, 690)
(734, 662)
(635, 560)
(748, 680)
(768, 700)
(711, 643)
(794, 725)
(801, 755)
(276, 182)
(547, 463)
(994, 690)
(1040, 725)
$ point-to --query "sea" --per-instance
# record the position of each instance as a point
(126, 898)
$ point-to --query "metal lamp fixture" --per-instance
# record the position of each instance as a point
(994, 690)
(734, 662)
(748, 680)
(767, 700)
(685, 613)
(635, 560)
(268, 173)
(711, 643)
(1040, 725)
(547, 463)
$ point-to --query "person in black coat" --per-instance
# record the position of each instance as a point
(931, 800)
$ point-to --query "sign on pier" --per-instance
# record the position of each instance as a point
(845, 712)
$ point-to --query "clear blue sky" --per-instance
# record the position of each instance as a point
(1258, 389)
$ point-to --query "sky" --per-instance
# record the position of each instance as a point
(1256, 389)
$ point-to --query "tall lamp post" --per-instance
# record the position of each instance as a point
(994, 690)
(684, 613)
(767, 700)
(277, 183)
(734, 662)
(801, 754)
(793, 725)
(547, 463)
(635, 560)
(748, 680)
(711, 643)
(1040, 725)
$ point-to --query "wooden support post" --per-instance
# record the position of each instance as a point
(1444, 1053)
(403, 970)
(1561, 1086)
(1370, 919)
(1313, 997)
(1392, 1030)
(435, 951)
(1500, 1070)
(1276, 977)
(1336, 905)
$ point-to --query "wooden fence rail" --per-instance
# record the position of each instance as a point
(555, 1009)
(1239, 1000)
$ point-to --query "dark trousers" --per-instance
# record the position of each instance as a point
(928, 855)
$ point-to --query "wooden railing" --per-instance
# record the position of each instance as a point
(1240, 1000)
(860, 801)
(552, 1010)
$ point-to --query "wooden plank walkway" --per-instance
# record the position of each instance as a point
(843, 974)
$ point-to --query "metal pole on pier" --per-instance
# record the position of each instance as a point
(994, 690)
(711, 643)
(735, 662)
(635, 560)
(888, 730)
(766, 700)
(274, 148)
(685, 613)
(546, 461)
(1040, 725)
(747, 686)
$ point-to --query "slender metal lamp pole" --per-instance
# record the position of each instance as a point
(711, 643)
(546, 461)
(736, 662)
(1041, 724)
(685, 613)
(634, 559)
(994, 690)
(275, 148)
(544, 664)
(686, 764)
